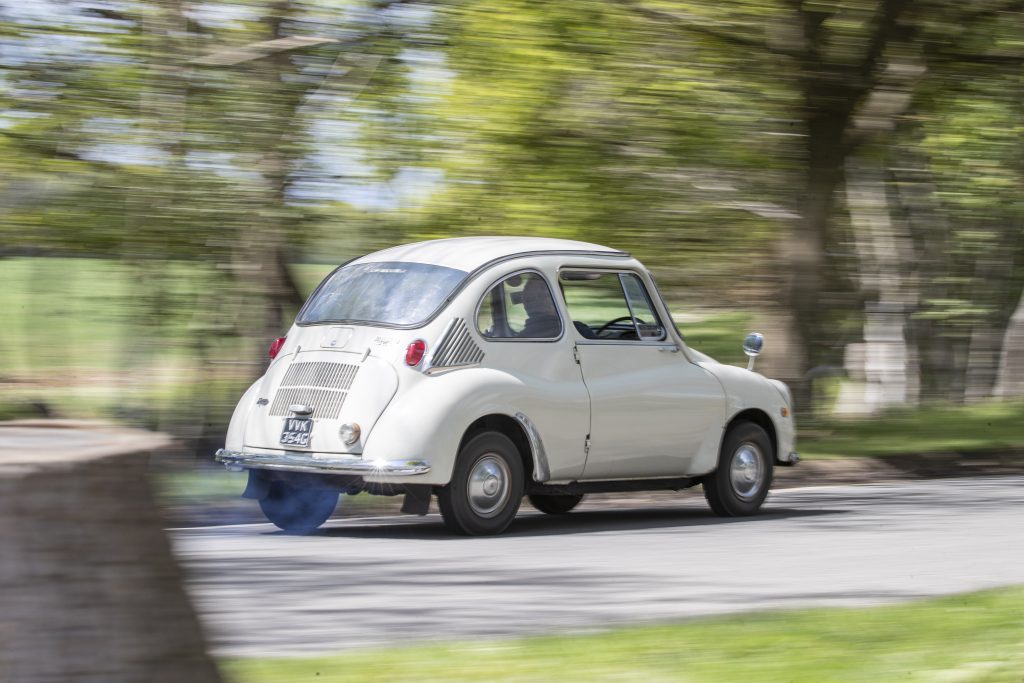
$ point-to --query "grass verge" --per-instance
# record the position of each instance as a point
(971, 638)
(982, 427)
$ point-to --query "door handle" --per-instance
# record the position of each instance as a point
(668, 349)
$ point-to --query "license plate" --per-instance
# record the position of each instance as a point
(297, 431)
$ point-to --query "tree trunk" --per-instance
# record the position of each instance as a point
(261, 261)
(804, 251)
(883, 367)
(1010, 383)
(929, 232)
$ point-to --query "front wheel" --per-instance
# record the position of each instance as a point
(740, 483)
(486, 487)
(298, 509)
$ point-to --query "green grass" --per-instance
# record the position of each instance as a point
(89, 337)
(988, 426)
(76, 313)
(977, 637)
(202, 486)
(83, 313)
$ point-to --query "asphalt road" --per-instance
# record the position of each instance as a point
(378, 581)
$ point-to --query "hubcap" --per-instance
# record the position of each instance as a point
(488, 486)
(746, 470)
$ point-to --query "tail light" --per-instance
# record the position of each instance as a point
(414, 352)
(275, 347)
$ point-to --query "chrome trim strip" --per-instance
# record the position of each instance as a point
(440, 370)
(304, 462)
(541, 470)
(668, 346)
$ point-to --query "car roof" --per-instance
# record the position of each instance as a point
(470, 253)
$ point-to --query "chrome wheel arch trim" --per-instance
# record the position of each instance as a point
(541, 469)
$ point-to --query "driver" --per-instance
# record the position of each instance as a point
(542, 320)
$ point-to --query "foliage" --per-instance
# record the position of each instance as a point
(711, 140)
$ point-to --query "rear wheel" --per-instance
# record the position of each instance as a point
(486, 487)
(739, 486)
(555, 504)
(298, 509)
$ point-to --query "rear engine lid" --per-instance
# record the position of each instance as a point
(339, 387)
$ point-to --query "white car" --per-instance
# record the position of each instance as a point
(483, 369)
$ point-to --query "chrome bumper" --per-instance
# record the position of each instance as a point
(302, 462)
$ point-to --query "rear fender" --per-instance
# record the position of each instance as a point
(239, 419)
(427, 422)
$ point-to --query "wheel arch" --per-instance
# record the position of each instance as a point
(516, 429)
(761, 419)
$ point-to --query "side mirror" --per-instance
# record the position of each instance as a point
(752, 346)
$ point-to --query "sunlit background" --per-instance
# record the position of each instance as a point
(846, 177)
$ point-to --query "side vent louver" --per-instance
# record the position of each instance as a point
(457, 347)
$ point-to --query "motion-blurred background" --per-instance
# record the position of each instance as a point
(176, 176)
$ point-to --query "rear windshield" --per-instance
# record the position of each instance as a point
(388, 293)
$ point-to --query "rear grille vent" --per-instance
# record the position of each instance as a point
(322, 386)
(329, 375)
(456, 347)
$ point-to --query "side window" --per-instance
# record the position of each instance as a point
(611, 306)
(647, 325)
(519, 307)
(486, 321)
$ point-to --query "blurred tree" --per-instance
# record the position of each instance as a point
(970, 247)
(854, 67)
(642, 123)
(166, 130)
(582, 119)
(715, 141)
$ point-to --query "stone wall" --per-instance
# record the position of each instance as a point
(89, 589)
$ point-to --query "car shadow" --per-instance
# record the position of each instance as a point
(529, 523)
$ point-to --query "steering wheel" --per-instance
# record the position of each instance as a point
(620, 319)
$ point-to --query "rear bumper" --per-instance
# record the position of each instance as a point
(305, 462)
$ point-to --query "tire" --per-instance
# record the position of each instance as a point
(298, 509)
(486, 488)
(555, 504)
(738, 486)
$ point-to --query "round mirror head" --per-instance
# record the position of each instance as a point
(753, 344)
